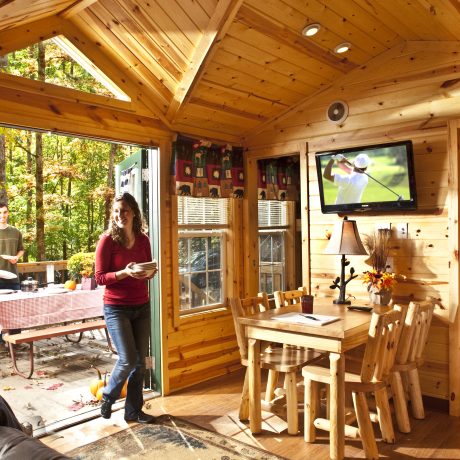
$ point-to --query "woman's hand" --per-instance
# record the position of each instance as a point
(138, 274)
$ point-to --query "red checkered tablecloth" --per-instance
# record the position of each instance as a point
(32, 309)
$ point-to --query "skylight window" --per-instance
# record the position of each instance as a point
(64, 65)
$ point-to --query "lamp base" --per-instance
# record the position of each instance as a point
(342, 302)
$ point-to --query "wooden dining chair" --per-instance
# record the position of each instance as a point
(286, 298)
(404, 379)
(378, 360)
(279, 360)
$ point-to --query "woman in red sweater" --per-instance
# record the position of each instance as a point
(126, 304)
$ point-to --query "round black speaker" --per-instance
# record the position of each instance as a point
(337, 112)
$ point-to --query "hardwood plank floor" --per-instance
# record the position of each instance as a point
(214, 405)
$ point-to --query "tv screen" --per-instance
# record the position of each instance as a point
(370, 178)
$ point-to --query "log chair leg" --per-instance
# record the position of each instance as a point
(384, 416)
(271, 385)
(415, 394)
(400, 403)
(243, 414)
(366, 430)
(310, 410)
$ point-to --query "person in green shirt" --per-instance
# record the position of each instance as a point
(11, 250)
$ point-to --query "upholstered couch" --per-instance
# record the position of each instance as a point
(17, 445)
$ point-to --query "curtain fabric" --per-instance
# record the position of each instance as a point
(278, 179)
(202, 169)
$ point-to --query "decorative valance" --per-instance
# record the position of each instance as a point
(202, 169)
(278, 179)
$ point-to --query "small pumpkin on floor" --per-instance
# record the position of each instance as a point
(97, 386)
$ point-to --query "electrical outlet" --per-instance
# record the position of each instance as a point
(402, 230)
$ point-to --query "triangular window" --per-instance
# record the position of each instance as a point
(59, 62)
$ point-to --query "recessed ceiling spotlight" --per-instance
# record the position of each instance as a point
(342, 48)
(311, 29)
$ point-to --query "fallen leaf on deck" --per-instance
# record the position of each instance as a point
(55, 386)
(41, 373)
(77, 405)
(28, 387)
(8, 388)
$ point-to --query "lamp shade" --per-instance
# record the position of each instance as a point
(345, 239)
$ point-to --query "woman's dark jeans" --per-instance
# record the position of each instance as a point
(129, 328)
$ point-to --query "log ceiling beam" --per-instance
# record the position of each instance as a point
(218, 26)
(75, 8)
(256, 21)
(30, 34)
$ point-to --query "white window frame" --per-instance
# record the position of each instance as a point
(276, 223)
(195, 230)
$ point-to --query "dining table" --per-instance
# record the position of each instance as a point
(349, 330)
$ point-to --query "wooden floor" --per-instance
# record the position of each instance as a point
(214, 405)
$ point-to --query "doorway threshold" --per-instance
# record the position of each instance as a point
(91, 414)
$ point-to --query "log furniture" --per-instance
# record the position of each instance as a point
(335, 338)
(286, 360)
(405, 382)
(379, 356)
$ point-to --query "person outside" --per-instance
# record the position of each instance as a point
(352, 184)
(11, 250)
(126, 304)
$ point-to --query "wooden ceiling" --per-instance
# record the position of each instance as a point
(221, 68)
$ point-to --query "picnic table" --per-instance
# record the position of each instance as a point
(48, 313)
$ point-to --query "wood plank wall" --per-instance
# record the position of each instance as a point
(421, 257)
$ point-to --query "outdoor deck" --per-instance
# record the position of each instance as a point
(59, 388)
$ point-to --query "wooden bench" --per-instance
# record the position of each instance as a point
(30, 336)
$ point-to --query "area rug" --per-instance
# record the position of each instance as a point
(170, 438)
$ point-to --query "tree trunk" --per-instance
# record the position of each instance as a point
(3, 195)
(108, 197)
(39, 209)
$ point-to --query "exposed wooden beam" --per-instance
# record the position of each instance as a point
(226, 109)
(75, 8)
(256, 21)
(95, 51)
(218, 25)
(27, 85)
(29, 34)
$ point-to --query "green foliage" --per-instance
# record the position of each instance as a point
(75, 182)
(81, 264)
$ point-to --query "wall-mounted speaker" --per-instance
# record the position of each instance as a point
(337, 112)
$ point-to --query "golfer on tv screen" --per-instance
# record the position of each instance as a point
(373, 176)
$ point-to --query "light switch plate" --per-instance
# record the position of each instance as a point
(402, 230)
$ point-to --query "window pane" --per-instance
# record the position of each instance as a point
(271, 262)
(201, 281)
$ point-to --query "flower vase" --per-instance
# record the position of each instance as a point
(379, 297)
(88, 283)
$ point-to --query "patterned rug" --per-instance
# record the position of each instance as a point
(169, 438)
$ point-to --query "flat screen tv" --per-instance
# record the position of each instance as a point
(369, 178)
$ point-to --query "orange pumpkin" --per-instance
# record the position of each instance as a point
(96, 383)
(124, 390)
(99, 392)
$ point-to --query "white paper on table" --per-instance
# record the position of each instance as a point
(301, 318)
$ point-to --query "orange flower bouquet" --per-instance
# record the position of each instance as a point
(379, 280)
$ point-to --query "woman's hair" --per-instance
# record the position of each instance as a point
(117, 234)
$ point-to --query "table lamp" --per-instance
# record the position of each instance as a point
(345, 240)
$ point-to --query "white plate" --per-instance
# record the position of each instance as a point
(7, 275)
(6, 257)
(145, 266)
(6, 291)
